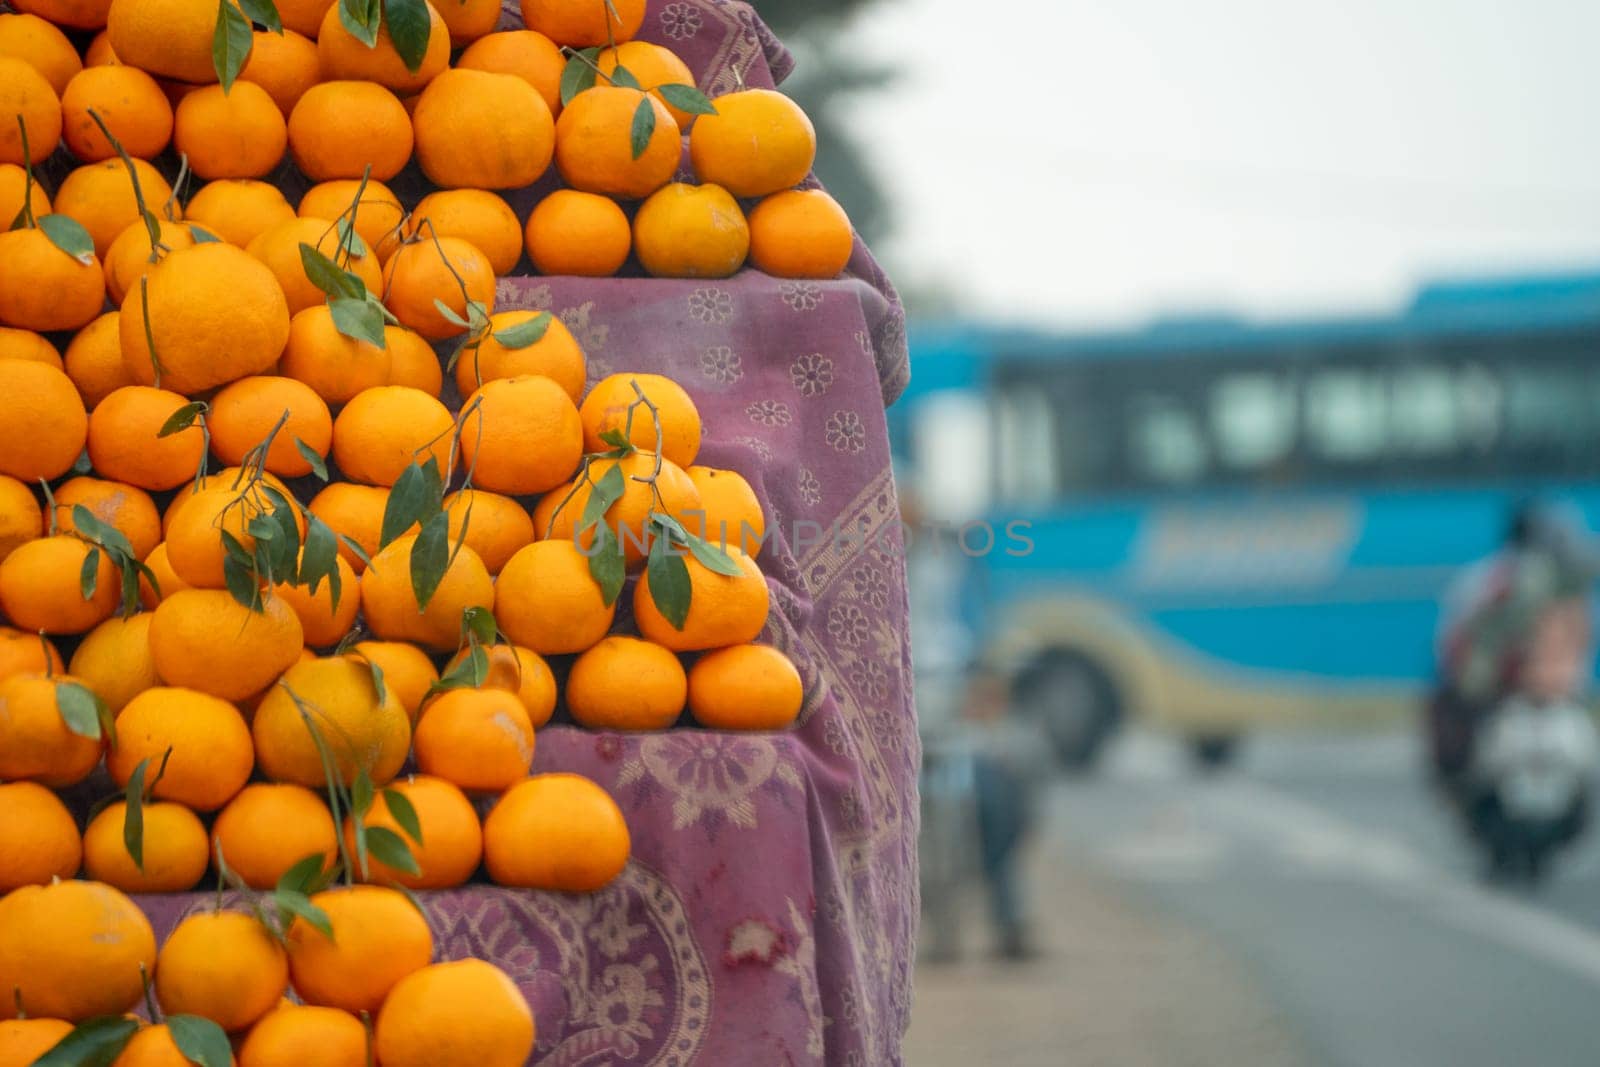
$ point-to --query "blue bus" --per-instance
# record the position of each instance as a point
(1228, 525)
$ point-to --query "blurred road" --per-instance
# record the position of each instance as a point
(1315, 905)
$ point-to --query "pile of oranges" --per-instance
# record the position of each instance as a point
(302, 542)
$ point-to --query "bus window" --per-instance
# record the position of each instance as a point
(1166, 443)
(1345, 415)
(953, 459)
(1253, 420)
(1025, 447)
(1425, 410)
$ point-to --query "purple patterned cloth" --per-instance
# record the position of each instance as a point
(769, 912)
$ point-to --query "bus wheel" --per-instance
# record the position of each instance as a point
(1076, 703)
(1214, 752)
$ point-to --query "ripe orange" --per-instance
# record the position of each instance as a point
(361, 731)
(523, 437)
(479, 739)
(463, 1014)
(238, 133)
(167, 582)
(195, 549)
(378, 939)
(279, 249)
(39, 839)
(407, 671)
(556, 831)
(758, 142)
(223, 966)
(22, 520)
(25, 92)
(800, 233)
(227, 478)
(583, 23)
(344, 56)
(169, 38)
(378, 216)
(129, 257)
(521, 671)
(153, 1046)
(217, 315)
(22, 1041)
(381, 430)
(13, 186)
(339, 128)
(78, 14)
(498, 526)
(606, 408)
(628, 519)
(285, 65)
(25, 344)
(723, 610)
(211, 753)
(40, 44)
(124, 441)
(436, 268)
(528, 54)
(99, 53)
(480, 130)
(334, 366)
(452, 838)
(412, 361)
(128, 509)
(128, 100)
(390, 603)
(624, 683)
(556, 356)
(245, 411)
(356, 512)
(114, 660)
(691, 231)
(468, 20)
(267, 829)
(25, 653)
(571, 232)
(594, 148)
(300, 1034)
(730, 512)
(303, 16)
(324, 624)
(745, 687)
(238, 210)
(478, 217)
(175, 852)
(73, 950)
(35, 743)
(546, 600)
(203, 639)
(43, 288)
(100, 196)
(651, 66)
(40, 587)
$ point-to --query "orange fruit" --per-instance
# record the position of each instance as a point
(128, 100)
(25, 92)
(436, 268)
(691, 231)
(40, 44)
(170, 38)
(339, 128)
(624, 683)
(607, 405)
(100, 196)
(234, 133)
(463, 1014)
(758, 142)
(13, 187)
(334, 366)
(116, 504)
(723, 610)
(379, 937)
(223, 966)
(343, 55)
(25, 344)
(22, 520)
(125, 442)
(556, 356)
(268, 828)
(73, 950)
(498, 526)
(114, 660)
(521, 671)
(43, 288)
(452, 838)
(523, 437)
(407, 670)
(361, 731)
(730, 512)
(244, 412)
(217, 315)
(285, 65)
(468, 20)
(304, 16)
(175, 853)
(479, 739)
(570, 232)
(745, 687)
(556, 831)
(167, 582)
(40, 587)
(412, 361)
(324, 623)
(238, 210)
(353, 511)
(594, 147)
(153, 1046)
(25, 653)
(129, 257)
(381, 430)
(377, 217)
(99, 53)
(528, 54)
(78, 14)
(39, 839)
(22, 1041)
(279, 249)
(211, 753)
(299, 1034)
(800, 233)
(628, 519)
(584, 23)
(227, 478)
(195, 549)
(478, 217)
(35, 742)
(390, 603)
(204, 639)
(480, 130)
(651, 66)
(546, 600)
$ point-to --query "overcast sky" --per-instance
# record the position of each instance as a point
(1098, 161)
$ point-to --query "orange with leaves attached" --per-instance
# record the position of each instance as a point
(379, 937)
(210, 744)
(36, 745)
(14, 187)
(204, 639)
(377, 217)
(279, 249)
(556, 831)
(644, 490)
(723, 609)
(479, 739)
(356, 512)
(343, 55)
(572, 232)
(268, 828)
(333, 697)
(452, 838)
(495, 527)
(340, 128)
(390, 602)
(521, 671)
(614, 404)
(432, 268)
(336, 367)
(44, 288)
(169, 38)
(39, 839)
(555, 355)
(128, 101)
(594, 147)
(125, 443)
(73, 950)
(174, 852)
(25, 653)
(730, 511)
(244, 412)
(100, 196)
(381, 431)
(652, 66)
(196, 550)
(223, 966)
(41, 587)
(520, 435)
(324, 622)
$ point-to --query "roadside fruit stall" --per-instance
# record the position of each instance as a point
(451, 590)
